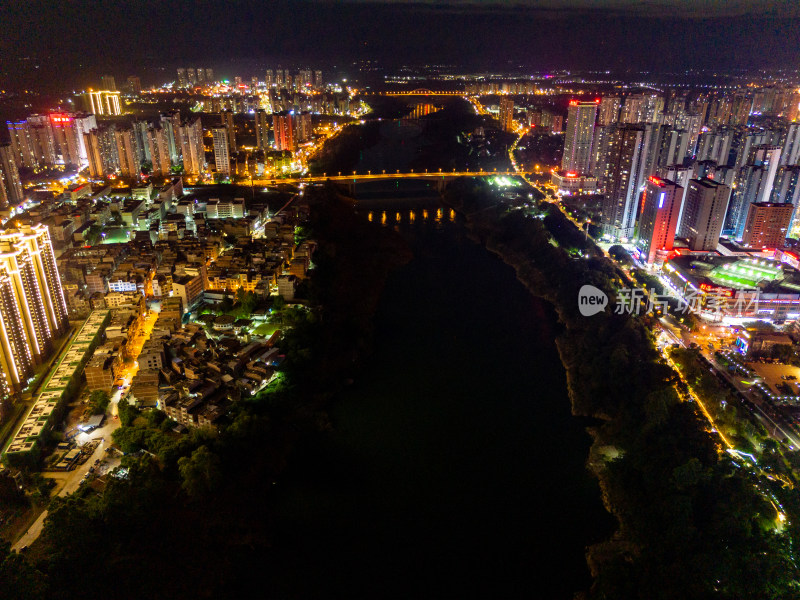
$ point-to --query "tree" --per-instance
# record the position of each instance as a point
(98, 402)
(127, 413)
(201, 472)
(18, 578)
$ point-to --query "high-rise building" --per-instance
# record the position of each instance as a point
(129, 163)
(767, 225)
(787, 186)
(227, 123)
(302, 126)
(191, 76)
(22, 145)
(192, 149)
(41, 134)
(158, 148)
(279, 78)
(609, 110)
(269, 80)
(715, 145)
(66, 138)
(674, 146)
(507, 114)
(83, 122)
(170, 122)
(254, 84)
(210, 75)
(104, 102)
(201, 76)
(107, 83)
(262, 130)
(32, 308)
(581, 117)
(10, 184)
(661, 205)
(183, 82)
(97, 167)
(620, 171)
(283, 130)
(318, 80)
(790, 154)
(134, 84)
(704, 213)
(222, 155)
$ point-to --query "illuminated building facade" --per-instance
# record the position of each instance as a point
(581, 117)
(222, 156)
(10, 184)
(104, 103)
(194, 155)
(620, 169)
(661, 205)
(507, 114)
(704, 213)
(32, 304)
(262, 130)
(283, 129)
(767, 224)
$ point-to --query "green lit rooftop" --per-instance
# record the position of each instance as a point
(746, 273)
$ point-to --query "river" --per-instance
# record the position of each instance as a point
(455, 468)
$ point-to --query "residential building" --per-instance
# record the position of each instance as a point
(767, 225)
(581, 118)
(661, 205)
(704, 213)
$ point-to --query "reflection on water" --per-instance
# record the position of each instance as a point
(410, 216)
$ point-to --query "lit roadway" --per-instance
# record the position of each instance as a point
(749, 394)
(73, 479)
(369, 176)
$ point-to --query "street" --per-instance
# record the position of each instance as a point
(71, 480)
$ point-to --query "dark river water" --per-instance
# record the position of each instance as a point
(455, 468)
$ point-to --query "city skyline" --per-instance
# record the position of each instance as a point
(611, 35)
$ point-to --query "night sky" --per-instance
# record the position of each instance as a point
(74, 43)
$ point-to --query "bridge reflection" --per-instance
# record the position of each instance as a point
(392, 217)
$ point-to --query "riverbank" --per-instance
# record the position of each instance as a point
(691, 524)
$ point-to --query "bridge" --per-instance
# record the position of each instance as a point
(418, 92)
(441, 178)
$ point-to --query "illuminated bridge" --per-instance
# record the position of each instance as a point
(418, 92)
(440, 177)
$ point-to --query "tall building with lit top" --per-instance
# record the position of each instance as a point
(581, 117)
(32, 308)
(103, 103)
(661, 205)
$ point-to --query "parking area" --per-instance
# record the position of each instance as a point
(778, 378)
